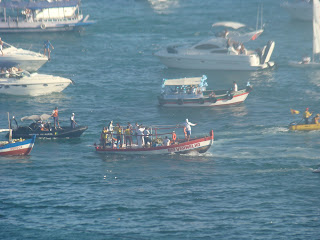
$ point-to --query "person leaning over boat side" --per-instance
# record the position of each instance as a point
(1, 46)
(188, 125)
(306, 116)
(73, 121)
(55, 115)
(47, 45)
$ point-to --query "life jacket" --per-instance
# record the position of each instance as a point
(55, 113)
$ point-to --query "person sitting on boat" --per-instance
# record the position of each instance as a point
(166, 141)
(243, 50)
(306, 116)
(235, 86)
(146, 134)
(230, 48)
(55, 115)
(73, 121)
(306, 60)
(315, 120)
(225, 33)
(188, 125)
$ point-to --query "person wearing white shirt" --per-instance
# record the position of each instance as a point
(235, 86)
(166, 141)
(73, 121)
(188, 125)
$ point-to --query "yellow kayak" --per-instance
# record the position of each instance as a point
(305, 127)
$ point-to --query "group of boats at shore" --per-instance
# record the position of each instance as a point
(224, 51)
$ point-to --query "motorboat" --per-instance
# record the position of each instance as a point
(300, 10)
(42, 128)
(219, 53)
(159, 143)
(18, 57)
(16, 147)
(42, 16)
(192, 92)
(22, 83)
(307, 62)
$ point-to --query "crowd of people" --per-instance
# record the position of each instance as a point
(307, 116)
(118, 136)
(10, 72)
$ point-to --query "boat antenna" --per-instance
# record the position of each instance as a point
(257, 18)
(261, 15)
(10, 130)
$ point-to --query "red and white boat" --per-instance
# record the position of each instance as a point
(192, 92)
(16, 147)
(181, 146)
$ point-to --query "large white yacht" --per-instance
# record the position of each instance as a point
(26, 84)
(41, 16)
(219, 53)
(25, 59)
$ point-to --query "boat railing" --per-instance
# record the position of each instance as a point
(10, 19)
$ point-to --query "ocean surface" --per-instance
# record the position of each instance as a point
(255, 182)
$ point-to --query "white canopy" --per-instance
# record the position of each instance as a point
(234, 25)
(42, 117)
(183, 81)
(4, 130)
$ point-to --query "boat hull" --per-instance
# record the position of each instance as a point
(305, 127)
(18, 148)
(44, 26)
(200, 145)
(204, 102)
(64, 132)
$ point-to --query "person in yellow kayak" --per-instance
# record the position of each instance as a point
(315, 120)
(306, 116)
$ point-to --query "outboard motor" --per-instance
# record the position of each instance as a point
(266, 54)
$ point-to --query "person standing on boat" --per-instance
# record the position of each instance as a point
(104, 137)
(188, 125)
(128, 136)
(140, 138)
(235, 86)
(306, 116)
(118, 131)
(55, 115)
(47, 45)
(73, 121)
(1, 46)
(147, 138)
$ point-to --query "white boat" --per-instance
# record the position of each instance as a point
(192, 92)
(24, 84)
(42, 16)
(307, 62)
(215, 54)
(25, 59)
(300, 10)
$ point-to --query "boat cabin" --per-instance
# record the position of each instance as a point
(184, 87)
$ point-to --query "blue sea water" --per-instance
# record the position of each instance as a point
(255, 182)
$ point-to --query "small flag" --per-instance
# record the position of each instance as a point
(294, 111)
